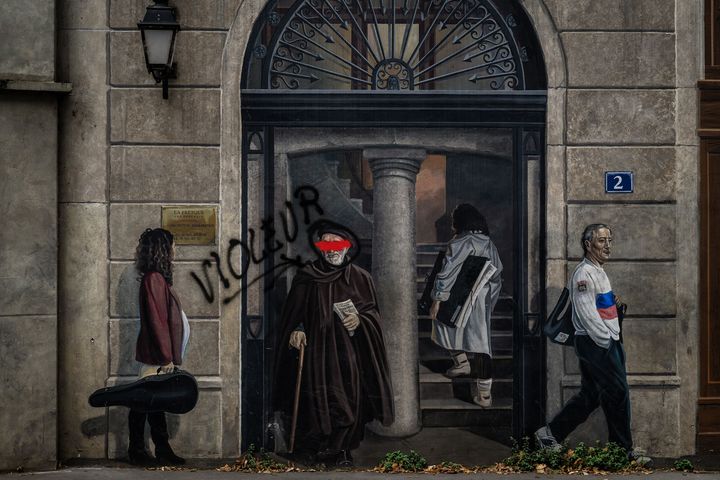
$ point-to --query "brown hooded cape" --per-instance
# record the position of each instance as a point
(346, 380)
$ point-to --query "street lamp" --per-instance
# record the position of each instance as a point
(159, 29)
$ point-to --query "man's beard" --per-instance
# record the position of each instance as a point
(334, 258)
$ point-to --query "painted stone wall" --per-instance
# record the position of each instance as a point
(28, 302)
(28, 238)
(627, 101)
(27, 30)
(125, 152)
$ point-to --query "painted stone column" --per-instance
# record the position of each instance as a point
(394, 272)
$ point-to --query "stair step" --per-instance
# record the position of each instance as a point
(430, 247)
(426, 258)
(502, 366)
(501, 341)
(499, 323)
(496, 332)
(456, 404)
(429, 350)
(423, 270)
(357, 203)
(458, 413)
(443, 387)
(426, 345)
(345, 184)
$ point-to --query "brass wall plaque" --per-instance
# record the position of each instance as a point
(191, 225)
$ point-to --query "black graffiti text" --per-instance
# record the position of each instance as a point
(249, 252)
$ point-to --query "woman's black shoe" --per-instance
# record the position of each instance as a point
(137, 455)
(160, 437)
(165, 456)
(140, 457)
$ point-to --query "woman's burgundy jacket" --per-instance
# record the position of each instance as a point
(161, 325)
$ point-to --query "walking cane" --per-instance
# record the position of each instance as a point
(296, 404)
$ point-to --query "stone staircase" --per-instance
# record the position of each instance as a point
(344, 184)
(321, 172)
(447, 402)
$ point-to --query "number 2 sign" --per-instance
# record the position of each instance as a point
(619, 182)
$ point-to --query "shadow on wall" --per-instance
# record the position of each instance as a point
(124, 327)
(118, 431)
(117, 418)
(124, 331)
(127, 294)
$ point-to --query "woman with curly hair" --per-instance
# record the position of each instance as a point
(164, 333)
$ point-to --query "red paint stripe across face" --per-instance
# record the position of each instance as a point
(333, 246)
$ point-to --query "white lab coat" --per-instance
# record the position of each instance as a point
(473, 329)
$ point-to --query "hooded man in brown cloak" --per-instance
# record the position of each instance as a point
(345, 379)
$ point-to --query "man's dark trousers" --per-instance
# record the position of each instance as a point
(604, 384)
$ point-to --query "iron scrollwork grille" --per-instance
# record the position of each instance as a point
(388, 45)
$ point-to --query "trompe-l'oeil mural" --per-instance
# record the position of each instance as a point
(329, 375)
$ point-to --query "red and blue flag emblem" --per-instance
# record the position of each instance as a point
(605, 304)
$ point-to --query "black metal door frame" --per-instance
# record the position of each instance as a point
(529, 361)
(523, 111)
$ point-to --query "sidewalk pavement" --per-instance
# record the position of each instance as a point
(110, 473)
(459, 445)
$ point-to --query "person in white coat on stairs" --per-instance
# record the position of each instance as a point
(474, 334)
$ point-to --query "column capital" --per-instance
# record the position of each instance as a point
(397, 162)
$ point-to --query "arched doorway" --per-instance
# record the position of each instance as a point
(397, 81)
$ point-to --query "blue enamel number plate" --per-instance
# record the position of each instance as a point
(619, 182)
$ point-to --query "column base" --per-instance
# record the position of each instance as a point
(395, 430)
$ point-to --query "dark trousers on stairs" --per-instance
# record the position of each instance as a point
(604, 384)
(481, 366)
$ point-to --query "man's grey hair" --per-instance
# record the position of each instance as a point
(589, 233)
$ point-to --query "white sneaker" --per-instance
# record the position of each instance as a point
(481, 392)
(483, 400)
(461, 366)
(639, 456)
(458, 370)
(546, 440)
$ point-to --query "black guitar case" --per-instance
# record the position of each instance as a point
(175, 392)
(469, 272)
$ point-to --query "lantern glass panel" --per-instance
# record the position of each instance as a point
(159, 46)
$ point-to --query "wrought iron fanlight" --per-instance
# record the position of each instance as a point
(389, 45)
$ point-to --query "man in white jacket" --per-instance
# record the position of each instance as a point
(598, 348)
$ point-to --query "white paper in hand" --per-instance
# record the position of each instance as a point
(343, 309)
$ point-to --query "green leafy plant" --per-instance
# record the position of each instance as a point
(249, 457)
(400, 461)
(684, 465)
(610, 457)
(259, 462)
(523, 457)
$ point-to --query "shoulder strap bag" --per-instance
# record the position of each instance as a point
(559, 327)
